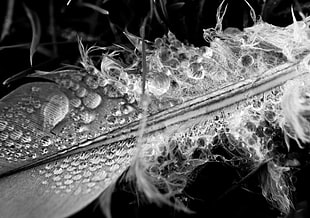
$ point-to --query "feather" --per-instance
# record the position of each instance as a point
(64, 143)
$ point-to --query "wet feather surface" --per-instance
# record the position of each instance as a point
(64, 143)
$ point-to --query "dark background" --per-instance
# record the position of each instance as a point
(60, 24)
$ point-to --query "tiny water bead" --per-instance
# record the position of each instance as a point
(3, 124)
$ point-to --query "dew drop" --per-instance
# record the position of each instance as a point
(75, 102)
(8, 143)
(70, 169)
(67, 176)
(25, 139)
(3, 136)
(92, 81)
(66, 83)
(29, 110)
(92, 100)
(15, 135)
(68, 181)
(75, 163)
(48, 175)
(92, 168)
(87, 174)
(3, 125)
(55, 110)
(37, 104)
(58, 171)
(91, 184)
(78, 191)
(81, 92)
(87, 117)
(99, 176)
(46, 141)
(56, 178)
(77, 177)
(87, 180)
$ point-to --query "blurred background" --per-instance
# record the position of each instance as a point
(48, 29)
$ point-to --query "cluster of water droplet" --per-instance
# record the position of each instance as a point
(87, 171)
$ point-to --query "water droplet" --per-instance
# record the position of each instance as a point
(76, 77)
(25, 139)
(8, 143)
(29, 110)
(87, 174)
(95, 160)
(75, 87)
(70, 169)
(99, 176)
(55, 110)
(48, 175)
(82, 166)
(35, 89)
(56, 178)
(75, 102)
(93, 168)
(68, 181)
(92, 81)
(46, 141)
(75, 163)
(81, 92)
(92, 100)
(91, 184)
(87, 180)
(78, 191)
(3, 136)
(114, 167)
(37, 104)
(66, 83)
(58, 171)
(10, 128)
(16, 134)
(87, 117)
(77, 177)
(67, 176)
(3, 124)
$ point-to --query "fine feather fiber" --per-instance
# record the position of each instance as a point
(276, 181)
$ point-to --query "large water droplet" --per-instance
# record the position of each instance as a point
(3, 124)
(92, 100)
(81, 92)
(55, 110)
(75, 102)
